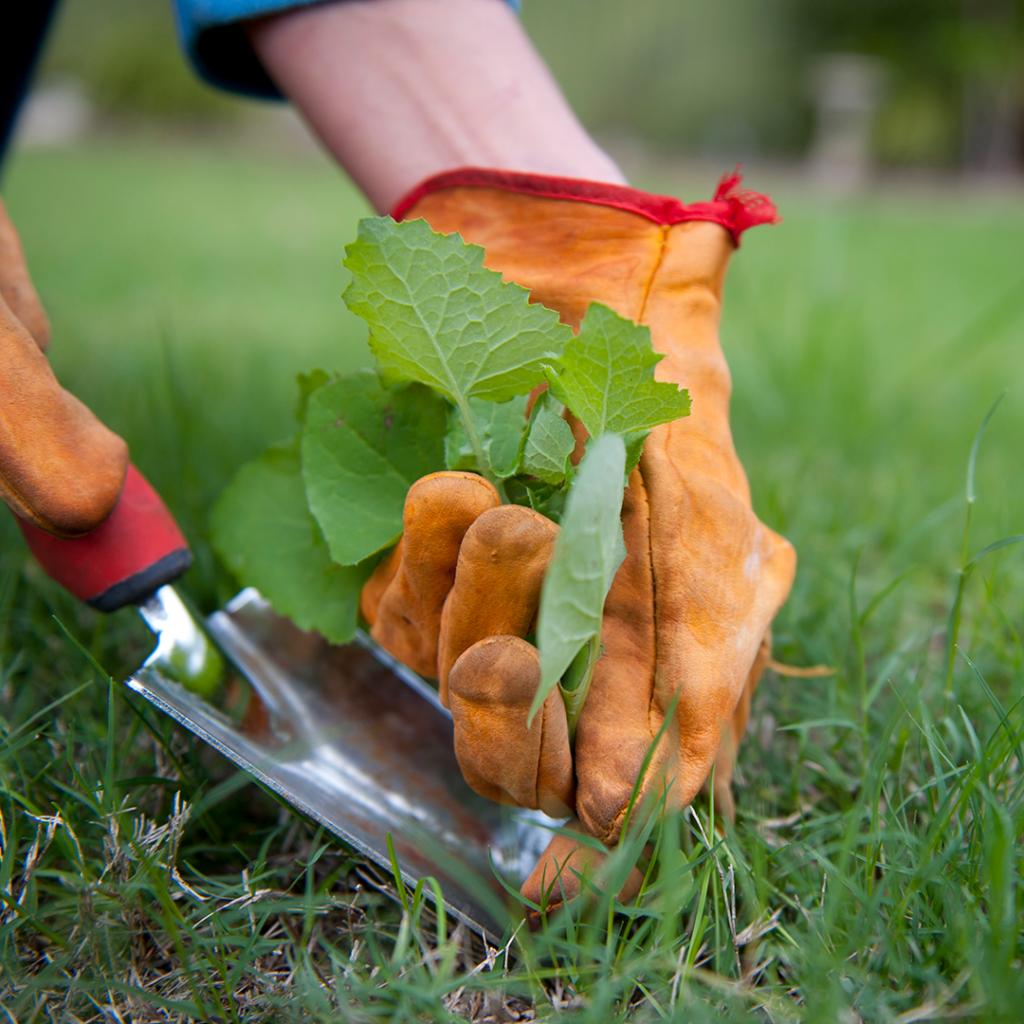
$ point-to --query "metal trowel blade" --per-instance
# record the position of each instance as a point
(351, 738)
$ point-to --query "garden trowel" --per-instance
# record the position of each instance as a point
(345, 734)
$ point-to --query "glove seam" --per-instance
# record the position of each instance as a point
(17, 502)
(662, 245)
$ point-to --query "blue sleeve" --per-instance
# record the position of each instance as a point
(211, 34)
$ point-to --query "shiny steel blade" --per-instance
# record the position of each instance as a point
(352, 739)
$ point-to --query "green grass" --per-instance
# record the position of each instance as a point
(881, 810)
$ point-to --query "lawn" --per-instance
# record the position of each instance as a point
(874, 872)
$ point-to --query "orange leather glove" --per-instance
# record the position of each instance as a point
(60, 468)
(687, 618)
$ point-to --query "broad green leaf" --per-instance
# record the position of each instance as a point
(436, 315)
(587, 554)
(606, 377)
(263, 530)
(363, 447)
(501, 428)
(549, 443)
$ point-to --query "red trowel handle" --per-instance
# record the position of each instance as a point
(136, 550)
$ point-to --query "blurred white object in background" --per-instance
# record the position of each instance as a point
(57, 113)
(846, 89)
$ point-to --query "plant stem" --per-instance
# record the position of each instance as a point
(478, 448)
(576, 696)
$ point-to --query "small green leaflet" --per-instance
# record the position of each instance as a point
(544, 498)
(363, 447)
(549, 443)
(606, 376)
(263, 530)
(308, 383)
(588, 553)
(501, 428)
(547, 500)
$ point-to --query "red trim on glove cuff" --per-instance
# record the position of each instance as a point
(735, 208)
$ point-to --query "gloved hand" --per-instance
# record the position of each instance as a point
(60, 468)
(687, 618)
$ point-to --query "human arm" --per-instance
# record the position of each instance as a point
(402, 90)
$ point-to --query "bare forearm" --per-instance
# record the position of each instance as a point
(400, 90)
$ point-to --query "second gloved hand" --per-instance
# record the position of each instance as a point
(60, 468)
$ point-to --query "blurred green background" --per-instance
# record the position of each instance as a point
(729, 79)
